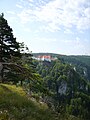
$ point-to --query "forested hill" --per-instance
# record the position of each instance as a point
(67, 78)
(60, 83)
(69, 58)
(81, 62)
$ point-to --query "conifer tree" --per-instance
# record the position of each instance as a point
(15, 63)
(8, 45)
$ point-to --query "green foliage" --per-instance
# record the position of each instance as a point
(68, 88)
(17, 64)
(81, 63)
(14, 104)
(8, 45)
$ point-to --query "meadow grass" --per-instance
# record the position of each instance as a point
(15, 105)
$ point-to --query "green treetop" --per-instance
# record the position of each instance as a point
(8, 44)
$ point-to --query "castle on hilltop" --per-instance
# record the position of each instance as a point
(45, 58)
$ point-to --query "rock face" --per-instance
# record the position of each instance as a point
(62, 88)
(1, 67)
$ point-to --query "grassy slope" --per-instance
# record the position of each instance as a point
(14, 105)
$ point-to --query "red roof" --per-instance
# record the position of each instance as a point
(44, 56)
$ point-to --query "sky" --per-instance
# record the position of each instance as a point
(52, 26)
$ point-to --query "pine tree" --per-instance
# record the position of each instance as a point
(8, 45)
(15, 66)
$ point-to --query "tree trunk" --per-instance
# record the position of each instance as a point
(1, 72)
(21, 82)
(2, 80)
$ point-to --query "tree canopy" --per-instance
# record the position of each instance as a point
(8, 44)
(15, 63)
(9, 47)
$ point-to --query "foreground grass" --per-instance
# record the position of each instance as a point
(14, 105)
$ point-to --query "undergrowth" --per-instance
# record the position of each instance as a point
(15, 105)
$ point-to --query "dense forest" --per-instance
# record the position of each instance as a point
(32, 89)
(81, 62)
(68, 79)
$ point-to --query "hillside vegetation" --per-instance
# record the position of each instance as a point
(14, 105)
(81, 62)
(58, 89)
(70, 89)
(81, 58)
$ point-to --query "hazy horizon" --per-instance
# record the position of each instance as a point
(57, 53)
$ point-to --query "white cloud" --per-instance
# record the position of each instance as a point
(25, 16)
(30, 0)
(56, 13)
(83, 23)
(87, 12)
(45, 40)
(68, 31)
(52, 27)
(19, 6)
(76, 44)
